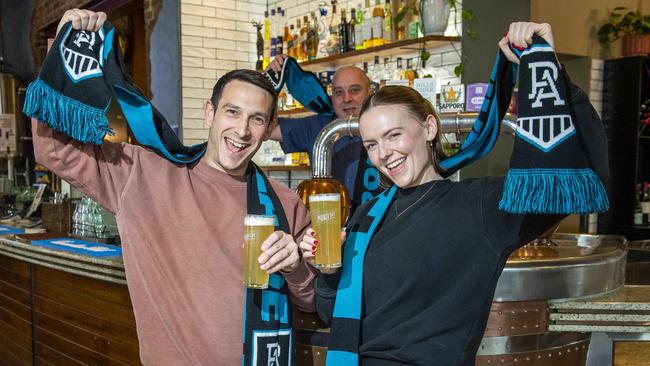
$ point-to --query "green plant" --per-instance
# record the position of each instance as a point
(467, 16)
(621, 24)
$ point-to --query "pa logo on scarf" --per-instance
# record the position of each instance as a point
(80, 59)
(545, 131)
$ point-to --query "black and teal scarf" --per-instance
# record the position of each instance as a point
(551, 171)
(578, 155)
(267, 330)
(73, 91)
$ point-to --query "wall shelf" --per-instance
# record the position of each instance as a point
(389, 50)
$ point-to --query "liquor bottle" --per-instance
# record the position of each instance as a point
(298, 39)
(645, 202)
(410, 74)
(274, 39)
(365, 68)
(638, 211)
(333, 40)
(358, 29)
(377, 24)
(266, 54)
(351, 32)
(402, 26)
(367, 26)
(386, 72)
(279, 47)
(376, 72)
(343, 33)
(304, 34)
(312, 37)
(388, 23)
(291, 48)
(397, 73)
(323, 31)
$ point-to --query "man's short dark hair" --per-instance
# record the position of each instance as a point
(248, 76)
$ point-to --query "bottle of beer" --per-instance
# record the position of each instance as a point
(351, 31)
(343, 33)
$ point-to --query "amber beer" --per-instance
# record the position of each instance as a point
(325, 210)
(256, 229)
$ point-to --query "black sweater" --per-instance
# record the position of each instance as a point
(430, 274)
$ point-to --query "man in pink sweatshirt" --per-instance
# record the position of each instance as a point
(182, 226)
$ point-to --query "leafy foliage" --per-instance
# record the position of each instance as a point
(621, 24)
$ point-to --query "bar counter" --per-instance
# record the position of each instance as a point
(62, 308)
(58, 308)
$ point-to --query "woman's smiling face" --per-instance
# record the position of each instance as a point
(398, 144)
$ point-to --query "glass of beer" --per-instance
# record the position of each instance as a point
(256, 229)
(325, 211)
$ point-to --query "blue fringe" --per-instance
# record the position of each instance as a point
(69, 116)
(553, 191)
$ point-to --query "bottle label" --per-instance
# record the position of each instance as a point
(377, 27)
(367, 29)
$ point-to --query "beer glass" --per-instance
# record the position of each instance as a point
(256, 229)
(325, 210)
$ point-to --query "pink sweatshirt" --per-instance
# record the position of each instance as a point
(182, 232)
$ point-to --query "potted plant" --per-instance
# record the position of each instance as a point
(633, 27)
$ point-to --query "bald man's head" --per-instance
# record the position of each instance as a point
(350, 87)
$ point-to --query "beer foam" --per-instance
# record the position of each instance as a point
(327, 197)
(259, 220)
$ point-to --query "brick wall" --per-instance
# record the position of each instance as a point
(216, 37)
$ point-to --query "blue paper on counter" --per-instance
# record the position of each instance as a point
(80, 247)
(5, 230)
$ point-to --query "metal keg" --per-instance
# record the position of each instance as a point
(564, 266)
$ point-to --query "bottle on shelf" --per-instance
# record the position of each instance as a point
(291, 49)
(409, 73)
(297, 41)
(388, 22)
(358, 29)
(398, 71)
(274, 35)
(279, 32)
(304, 34)
(312, 37)
(376, 73)
(266, 54)
(283, 34)
(377, 24)
(365, 68)
(351, 31)
(367, 26)
(386, 73)
(645, 202)
(343, 33)
(638, 211)
(323, 30)
(333, 40)
(401, 27)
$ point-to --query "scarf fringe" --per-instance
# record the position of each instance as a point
(64, 114)
(553, 191)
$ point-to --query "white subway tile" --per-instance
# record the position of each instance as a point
(226, 4)
(219, 23)
(220, 43)
(193, 113)
(191, 41)
(197, 93)
(195, 134)
(197, 10)
(193, 102)
(198, 52)
(191, 30)
(198, 73)
(193, 123)
(192, 61)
